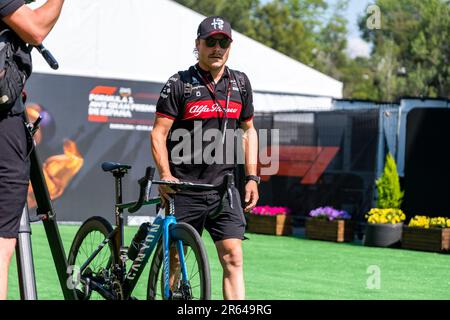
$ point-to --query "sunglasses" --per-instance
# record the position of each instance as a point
(223, 42)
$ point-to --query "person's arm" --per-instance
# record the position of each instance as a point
(250, 144)
(158, 138)
(32, 26)
(160, 153)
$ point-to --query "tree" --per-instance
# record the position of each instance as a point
(411, 50)
(288, 26)
(331, 57)
(390, 196)
(357, 76)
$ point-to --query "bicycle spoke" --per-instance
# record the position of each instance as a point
(196, 285)
(192, 277)
(187, 257)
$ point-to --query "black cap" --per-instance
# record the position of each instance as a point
(213, 25)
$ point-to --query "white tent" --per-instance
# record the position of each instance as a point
(149, 40)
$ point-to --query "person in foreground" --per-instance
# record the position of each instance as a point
(19, 25)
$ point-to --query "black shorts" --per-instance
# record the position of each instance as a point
(213, 213)
(15, 144)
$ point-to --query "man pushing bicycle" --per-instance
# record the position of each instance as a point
(203, 107)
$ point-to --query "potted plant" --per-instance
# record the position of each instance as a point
(328, 223)
(428, 234)
(384, 227)
(270, 220)
(385, 222)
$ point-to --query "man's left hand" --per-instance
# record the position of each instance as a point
(251, 195)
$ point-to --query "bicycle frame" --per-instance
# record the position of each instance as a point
(159, 229)
(46, 213)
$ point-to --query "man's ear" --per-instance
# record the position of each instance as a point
(197, 43)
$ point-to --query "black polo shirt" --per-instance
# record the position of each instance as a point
(6, 8)
(195, 110)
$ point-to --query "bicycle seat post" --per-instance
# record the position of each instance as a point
(119, 236)
(118, 175)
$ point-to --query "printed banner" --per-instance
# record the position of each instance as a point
(87, 121)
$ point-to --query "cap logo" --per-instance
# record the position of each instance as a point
(217, 23)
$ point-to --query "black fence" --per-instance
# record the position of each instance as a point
(326, 159)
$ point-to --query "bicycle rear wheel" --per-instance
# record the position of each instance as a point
(90, 235)
(197, 266)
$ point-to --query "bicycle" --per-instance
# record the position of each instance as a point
(103, 271)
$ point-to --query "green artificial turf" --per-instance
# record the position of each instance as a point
(290, 268)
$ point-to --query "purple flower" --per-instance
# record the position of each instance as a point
(329, 213)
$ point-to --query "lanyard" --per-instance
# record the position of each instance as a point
(212, 92)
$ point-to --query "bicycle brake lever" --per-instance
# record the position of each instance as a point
(147, 190)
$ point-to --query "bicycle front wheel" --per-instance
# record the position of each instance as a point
(90, 235)
(198, 286)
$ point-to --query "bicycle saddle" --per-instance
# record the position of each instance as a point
(110, 166)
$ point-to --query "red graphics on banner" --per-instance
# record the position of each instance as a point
(121, 108)
(306, 162)
(104, 90)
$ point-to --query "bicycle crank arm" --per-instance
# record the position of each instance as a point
(97, 287)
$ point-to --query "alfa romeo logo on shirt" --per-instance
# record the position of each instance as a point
(217, 23)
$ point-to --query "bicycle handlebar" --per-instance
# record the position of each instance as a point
(146, 182)
(185, 184)
(48, 56)
(144, 190)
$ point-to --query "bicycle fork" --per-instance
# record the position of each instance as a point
(170, 219)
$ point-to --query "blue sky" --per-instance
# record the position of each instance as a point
(355, 8)
(356, 46)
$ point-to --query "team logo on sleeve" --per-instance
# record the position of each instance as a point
(166, 90)
(167, 87)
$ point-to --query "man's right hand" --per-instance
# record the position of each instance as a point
(166, 191)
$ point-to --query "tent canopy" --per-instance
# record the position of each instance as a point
(151, 40)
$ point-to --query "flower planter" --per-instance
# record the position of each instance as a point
(280, 225)
(336, 230)
(383, 234)
(432, 239)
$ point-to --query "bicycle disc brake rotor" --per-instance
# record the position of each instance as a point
(183, 292)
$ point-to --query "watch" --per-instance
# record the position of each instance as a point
(254, 178)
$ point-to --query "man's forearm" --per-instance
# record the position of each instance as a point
(49, 13)
(250, 140)
(160, 155)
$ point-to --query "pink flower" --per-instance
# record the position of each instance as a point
(270, 211)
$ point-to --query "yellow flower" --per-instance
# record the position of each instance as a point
(377, 215)
(419, 221)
